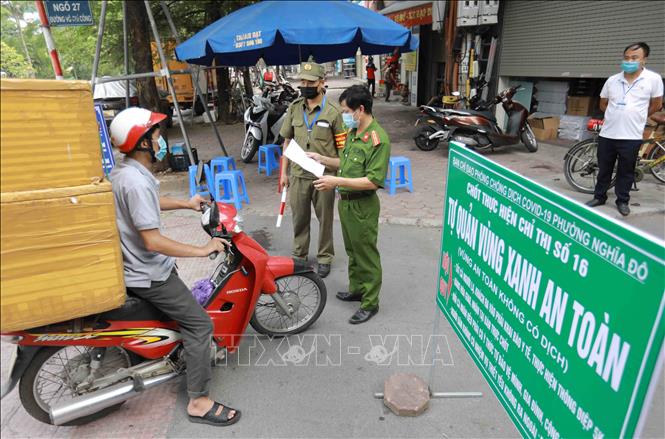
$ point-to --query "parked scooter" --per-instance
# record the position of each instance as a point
(264, 118)
(476, 129)
(77, 371)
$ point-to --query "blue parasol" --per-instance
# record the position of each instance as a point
(288, 32)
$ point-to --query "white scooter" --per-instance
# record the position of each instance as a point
(263, 120)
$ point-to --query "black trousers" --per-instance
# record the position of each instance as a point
(371, 85)
(173, 298)
(609, 151)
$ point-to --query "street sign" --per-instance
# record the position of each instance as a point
(69, 13)
(560, 307)
(108, 162)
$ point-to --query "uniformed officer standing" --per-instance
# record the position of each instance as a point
(316, 124)
(362, 170)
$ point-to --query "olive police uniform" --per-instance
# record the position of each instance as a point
(366, 154)
(317, 130)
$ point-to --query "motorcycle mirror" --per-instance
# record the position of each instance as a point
(214, 216)
(199, 172)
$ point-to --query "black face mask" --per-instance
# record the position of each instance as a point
(309, 92)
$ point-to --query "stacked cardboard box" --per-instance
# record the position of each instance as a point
(581, 105)
(59, 243)
(544, 128)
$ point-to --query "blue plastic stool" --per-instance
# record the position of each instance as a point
(221, 164)
(230, 188)
(201, 189)
(399, 174)
(269, 156)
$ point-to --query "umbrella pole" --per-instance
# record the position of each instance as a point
(204, 97)
(169, 80)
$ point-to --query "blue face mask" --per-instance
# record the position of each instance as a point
(630, 66)
(162, 149)
(349, 121)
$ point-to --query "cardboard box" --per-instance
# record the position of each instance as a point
(49, 137)
(61, 256)
(544, 128)
(581, 105)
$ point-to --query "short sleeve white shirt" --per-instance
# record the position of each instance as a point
(628, 104)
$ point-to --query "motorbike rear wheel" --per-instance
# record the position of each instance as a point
(54, 373)
(249, 148)
(423, 142)
(580, 166)
(305, 293)
(529, 139)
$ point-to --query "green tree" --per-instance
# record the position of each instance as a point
(13, 63)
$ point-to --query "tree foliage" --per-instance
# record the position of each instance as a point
(12, 63)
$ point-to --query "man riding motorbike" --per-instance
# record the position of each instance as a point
(149, 256)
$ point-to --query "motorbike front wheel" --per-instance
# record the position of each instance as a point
(249, 148)
(423, 142)
(529, 139)
(54, 373)
(303, 293)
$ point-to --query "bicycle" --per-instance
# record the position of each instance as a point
(581, 165)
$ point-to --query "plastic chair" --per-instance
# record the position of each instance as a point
(221, 164)
(201, 189)
(269, 156)
(229, 187)
(399, 174)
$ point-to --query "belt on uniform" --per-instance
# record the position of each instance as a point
(355, 195)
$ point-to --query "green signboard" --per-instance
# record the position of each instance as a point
(560, 307)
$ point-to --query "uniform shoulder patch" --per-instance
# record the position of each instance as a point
(376, 140)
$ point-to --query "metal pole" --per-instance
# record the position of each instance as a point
(204, 97)
(169, 80)
(50, 44)
(125, 46)
(435, 330)
(138, 76)
(98, 47)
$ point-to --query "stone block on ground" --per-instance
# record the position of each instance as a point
(406, 394)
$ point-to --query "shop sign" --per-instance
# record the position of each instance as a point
(413, 16)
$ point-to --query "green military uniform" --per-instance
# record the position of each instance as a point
(319, 130)
(366, 154)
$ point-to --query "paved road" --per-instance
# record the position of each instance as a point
(330, 393)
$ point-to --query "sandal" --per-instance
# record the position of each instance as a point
(211, 418)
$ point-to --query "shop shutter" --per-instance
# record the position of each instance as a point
(578, 39)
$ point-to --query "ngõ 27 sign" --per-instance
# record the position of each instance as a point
(560, 307)
(69, 13)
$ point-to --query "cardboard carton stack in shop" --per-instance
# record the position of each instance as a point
(59, 245)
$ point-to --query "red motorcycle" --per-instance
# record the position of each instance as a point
(478, 128)
(76, 371)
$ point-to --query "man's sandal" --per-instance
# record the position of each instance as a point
(211, 418)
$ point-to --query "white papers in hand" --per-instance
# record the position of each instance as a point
(298, 156)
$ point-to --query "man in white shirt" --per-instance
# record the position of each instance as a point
(628, 99)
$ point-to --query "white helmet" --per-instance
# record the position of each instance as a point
(130, 125)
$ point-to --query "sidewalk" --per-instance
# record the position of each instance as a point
(424, 207)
